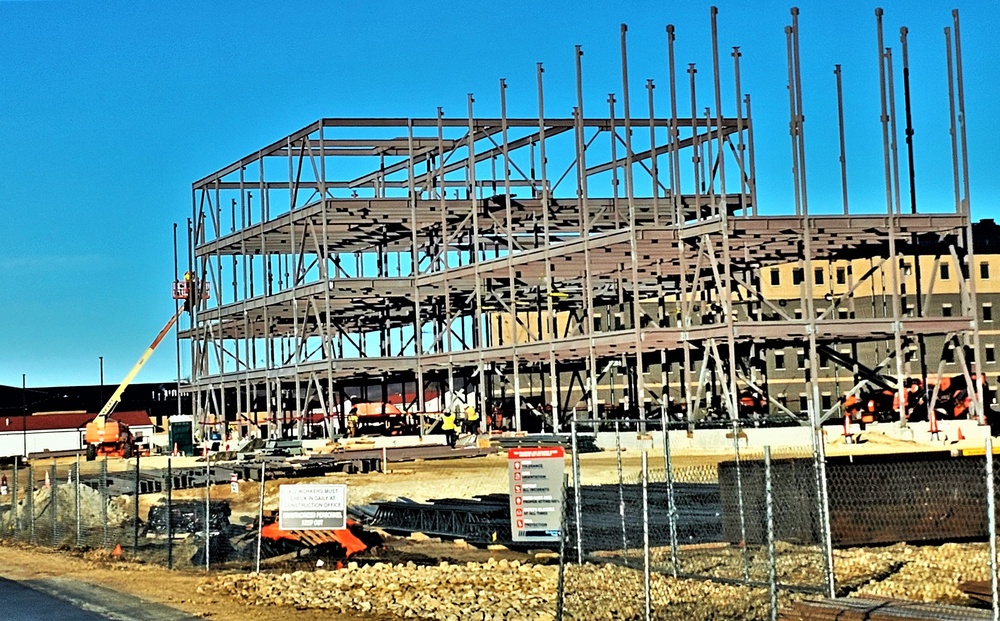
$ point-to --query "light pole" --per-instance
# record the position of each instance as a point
(101, 404)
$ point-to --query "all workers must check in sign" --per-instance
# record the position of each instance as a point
(536, 493)
(312, 507)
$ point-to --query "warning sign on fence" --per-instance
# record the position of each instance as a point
(536, 493)
(312, 507)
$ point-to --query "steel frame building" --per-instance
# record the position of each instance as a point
(538, 257)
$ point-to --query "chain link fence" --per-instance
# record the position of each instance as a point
(641, 515)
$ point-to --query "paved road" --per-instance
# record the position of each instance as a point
(68, 600)
(19, 603)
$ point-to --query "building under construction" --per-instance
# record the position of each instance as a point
(594, 264)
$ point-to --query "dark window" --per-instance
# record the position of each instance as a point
(597, 324)
(797, 276)
(841, 276)
(801, 359)
(984, 270)
(987, 312)
(991, 354)
(946, 310)
(779, 360)
(909, 355)
(827, 402)
(775, 277)
(819, 275)
(803, 403)
(948, 354)
(945, 271)
(842, 313)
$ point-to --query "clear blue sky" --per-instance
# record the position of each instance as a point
(109, 110)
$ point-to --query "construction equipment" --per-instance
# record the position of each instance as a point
(105, 436)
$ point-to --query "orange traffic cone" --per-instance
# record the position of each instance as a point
(848, 436)
(177, 451)
(961, 436)
(935, 429)
(117, 551)
(204, 451)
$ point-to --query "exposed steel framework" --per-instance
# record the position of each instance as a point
(539, 257)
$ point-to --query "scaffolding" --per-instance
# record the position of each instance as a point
(553, 267)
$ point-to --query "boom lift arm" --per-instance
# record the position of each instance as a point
(117, 396)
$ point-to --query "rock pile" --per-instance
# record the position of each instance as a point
(491, 591)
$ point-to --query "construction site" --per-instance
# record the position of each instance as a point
(753, 410)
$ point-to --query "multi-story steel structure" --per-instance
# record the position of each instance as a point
(551, 266)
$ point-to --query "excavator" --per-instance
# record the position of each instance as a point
(106, 436)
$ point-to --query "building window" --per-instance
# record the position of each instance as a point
(984, 270)
(991, 354)
(779, 360)
(987, 312)
(827, 401)
(819, 275)
(803, 403)
(775, 277)
(824, 362)
(948, 354)
(841, 276)
(946, 310)
(909, 354)
(909, 310)
(842, 313)
(907, 269)
(945, 271)
(797, 276)
(801, 357)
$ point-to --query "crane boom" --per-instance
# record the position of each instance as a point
(117, 396)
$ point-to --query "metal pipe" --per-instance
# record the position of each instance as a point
(668, 467)
(840, 124)
(576, 494)
(621, 491)
(260, 513)
(991, 518)
(646, 578)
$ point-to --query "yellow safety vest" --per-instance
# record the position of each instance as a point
(448, 422)
(471, 414)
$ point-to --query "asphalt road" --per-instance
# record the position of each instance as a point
(66, 600)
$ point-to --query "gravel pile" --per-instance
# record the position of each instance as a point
(492, 591)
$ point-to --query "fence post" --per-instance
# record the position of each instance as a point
(260, 513)
(104, 501)
(772, 562)
(621, 492)
(208, 510)
(561, 583)
(76, 502)
(54, 501)
(135, 509)
(170, 513)
(739, 499)
(576, 495)
(991, 519)
(31, 503)
(645, 534)
(668, 469)
(13, 503)
(824, 515)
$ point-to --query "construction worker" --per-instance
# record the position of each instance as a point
(471, 420)
(352, 423)
(449, 429)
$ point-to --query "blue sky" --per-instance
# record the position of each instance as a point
(109, 110)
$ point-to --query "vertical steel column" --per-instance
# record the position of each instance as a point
(584, 207)
(260, 512)
(991, 520)
(840, 125)
(576, 493)
(418, 333)
(638, 400)
(208, 511)
(170, 513)
(668, 467)
(476, 249)
(547, 257)
(509, 219)
(892, 206)
(740, 147)
(967, 213)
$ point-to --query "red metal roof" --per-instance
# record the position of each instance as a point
(73, 420)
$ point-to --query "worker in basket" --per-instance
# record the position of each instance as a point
(448, 426)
